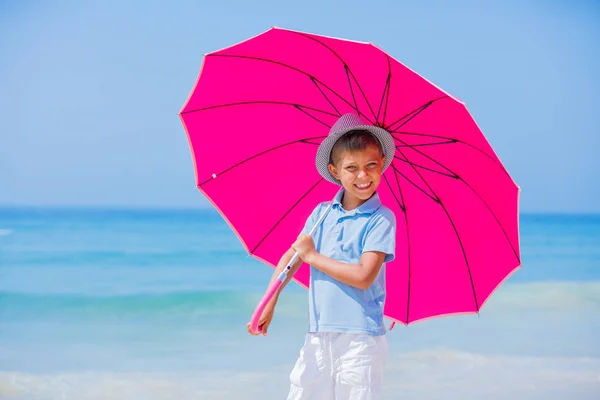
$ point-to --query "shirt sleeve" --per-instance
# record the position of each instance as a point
(312, 219)
(381, 235)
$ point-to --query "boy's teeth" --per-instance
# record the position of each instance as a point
(364, 185)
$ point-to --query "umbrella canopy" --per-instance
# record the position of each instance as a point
(258, 112)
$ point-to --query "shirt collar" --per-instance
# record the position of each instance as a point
(368, 207)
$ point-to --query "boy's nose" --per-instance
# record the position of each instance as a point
(362, 173)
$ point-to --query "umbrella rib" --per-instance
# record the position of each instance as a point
(455, 232)
(403, 208)
(361, 92)
(495, 161)
(307, 142)
(455, 175)
(244, 103)
(292, 68)
(312, 116)
(414, 184)
(494, 215)
(407, 246)
(260, 154)
(350, 85)
(285, 215)
(422, 134)
(400, 204)
(404, 144)
(387, 97)
(348, 70)
(429, 144)
(386, 94)
(324, 95)
(452, 139)
(364, 96)
(425, 168)
(413, 113)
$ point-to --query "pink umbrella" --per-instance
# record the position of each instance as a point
(255, 118)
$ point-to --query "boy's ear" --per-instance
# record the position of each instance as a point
(333, 170)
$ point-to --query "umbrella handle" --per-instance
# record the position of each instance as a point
(269, 294)
(260, 308)
(274, 287)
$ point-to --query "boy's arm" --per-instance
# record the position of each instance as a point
(359, 275)
(283, 262)
(379, 247)
(267, 315)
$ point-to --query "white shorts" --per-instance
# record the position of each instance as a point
(339, 366)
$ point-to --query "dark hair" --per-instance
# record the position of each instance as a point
(358, 139)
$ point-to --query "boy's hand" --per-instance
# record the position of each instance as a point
(264, 321)
(305, 246)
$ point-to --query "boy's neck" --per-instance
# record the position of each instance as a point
(350, 202)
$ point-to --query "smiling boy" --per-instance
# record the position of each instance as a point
(345, 349)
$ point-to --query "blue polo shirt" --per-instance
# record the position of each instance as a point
(344, 236)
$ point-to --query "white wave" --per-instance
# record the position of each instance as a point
(446, 373)
(5, 232)
(548, 295)
(428, 374)
(553, 295)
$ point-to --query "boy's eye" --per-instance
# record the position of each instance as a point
(351, 168)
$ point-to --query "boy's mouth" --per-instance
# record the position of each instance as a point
(363, 186)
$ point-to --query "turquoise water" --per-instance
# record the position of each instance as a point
(146, 296)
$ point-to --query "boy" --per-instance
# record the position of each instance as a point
(345, 351)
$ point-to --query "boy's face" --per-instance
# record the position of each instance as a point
(359, 172)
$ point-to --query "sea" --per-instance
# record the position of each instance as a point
(153, 304)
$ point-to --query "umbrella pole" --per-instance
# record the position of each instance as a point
(274, 287)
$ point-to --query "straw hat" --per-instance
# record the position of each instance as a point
(345, 124)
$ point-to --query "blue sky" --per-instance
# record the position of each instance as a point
(90, 90)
